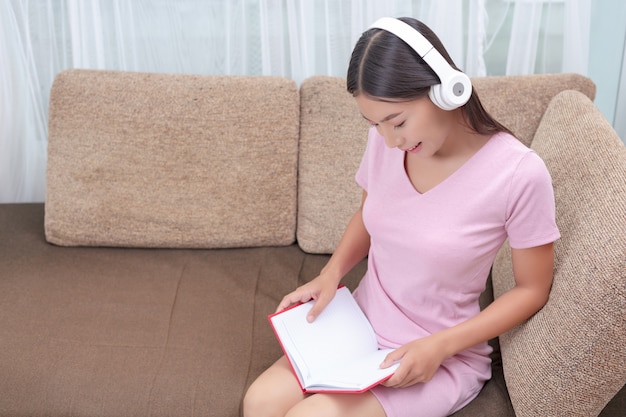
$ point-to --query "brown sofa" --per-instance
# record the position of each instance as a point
(180, 209)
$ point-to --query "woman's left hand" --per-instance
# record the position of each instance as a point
(419, 360)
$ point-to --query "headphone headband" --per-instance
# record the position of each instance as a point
(455, 88)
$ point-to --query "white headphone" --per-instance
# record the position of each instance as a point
(455, 88)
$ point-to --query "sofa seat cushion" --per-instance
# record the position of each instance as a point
(569, 359)
(132, 332)
(163, 160)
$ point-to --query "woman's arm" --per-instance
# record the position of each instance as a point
(352, 248)
(533, 271)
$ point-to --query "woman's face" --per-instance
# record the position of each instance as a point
(417, 126)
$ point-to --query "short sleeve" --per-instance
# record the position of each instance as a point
(530, 216)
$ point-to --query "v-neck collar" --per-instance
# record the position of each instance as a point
(470, 161)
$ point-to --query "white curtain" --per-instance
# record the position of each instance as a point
(292, 38)
(549, 36)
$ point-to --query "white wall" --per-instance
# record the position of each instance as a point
(607, 60)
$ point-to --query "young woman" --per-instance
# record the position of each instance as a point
(443, 189)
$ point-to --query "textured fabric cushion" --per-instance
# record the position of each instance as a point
(519, 101)
(133, 332)
(333, 136)
(161, 160)
(569, 358)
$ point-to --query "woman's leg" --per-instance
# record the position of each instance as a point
(338, 405)
(276, 393)
(273, 393)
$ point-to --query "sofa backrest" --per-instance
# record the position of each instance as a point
(333, 136)
(161, 160)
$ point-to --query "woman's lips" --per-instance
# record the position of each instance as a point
(415, 148)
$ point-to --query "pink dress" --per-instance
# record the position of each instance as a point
(431, 253)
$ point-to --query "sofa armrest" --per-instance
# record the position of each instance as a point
(569, 358)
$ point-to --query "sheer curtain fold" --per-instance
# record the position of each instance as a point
(576, 36)
(549, 36)
(524, 38)
(292, 38)
(23, 115)
(477, 39)
(443, 15)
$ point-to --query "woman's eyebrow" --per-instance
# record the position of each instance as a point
(391, 116)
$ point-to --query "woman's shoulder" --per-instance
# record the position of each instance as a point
(509, 142)
(510, 150)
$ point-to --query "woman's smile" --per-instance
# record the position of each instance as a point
(414, 149)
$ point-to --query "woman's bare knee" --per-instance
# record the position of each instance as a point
(273, 393)
(338, 405)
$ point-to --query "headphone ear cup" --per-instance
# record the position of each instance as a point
(452, 92)
(435, 96)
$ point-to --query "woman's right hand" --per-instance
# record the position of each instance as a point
(322, 289)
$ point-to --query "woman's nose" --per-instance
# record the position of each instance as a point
(392, 139)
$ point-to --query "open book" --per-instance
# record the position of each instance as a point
(338, 352)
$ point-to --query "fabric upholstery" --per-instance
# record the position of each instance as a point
(569, 359)
(328, 195)
(132, 332)
(331, 125)
(161, 160)
(518, 101)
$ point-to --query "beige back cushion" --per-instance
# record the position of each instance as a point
(159, 160)
(333, 136)
(519, 101)
(569, 359)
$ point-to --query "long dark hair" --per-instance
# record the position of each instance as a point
(384, 66)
